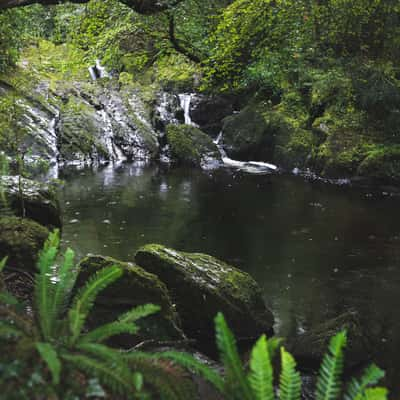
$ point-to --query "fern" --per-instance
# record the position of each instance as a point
(108, 375)
(66, 278)
(290, 380)
(372, 375)
(3, 264)
(106, 331)
(49, 355)
(329, 379)
(237, 383)
(261, 372)
(376, 394)
(139, 312)
(84, 299)
(189, 362)
(44, 287)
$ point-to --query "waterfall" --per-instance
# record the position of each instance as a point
(98, 71)
(252, 167)
(185, 100)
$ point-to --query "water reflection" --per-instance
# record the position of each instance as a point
(316, 250)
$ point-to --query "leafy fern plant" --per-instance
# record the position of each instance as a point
(53, 331)
(257, 381)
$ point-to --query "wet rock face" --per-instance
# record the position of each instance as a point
(20, 241)
(208, 112)
(190, 146)
(40, 200)
(201, 286)
(136, 287)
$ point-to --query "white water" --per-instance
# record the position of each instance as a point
(251, 167)
(98, 71)
(185, 100)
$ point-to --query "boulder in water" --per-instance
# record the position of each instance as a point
(201, 286)
(39, 200)
(188, 145)
(136, 287)
(21, 240)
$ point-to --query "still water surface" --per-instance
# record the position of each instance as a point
(317, 250)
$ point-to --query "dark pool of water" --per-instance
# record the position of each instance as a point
(317, 250)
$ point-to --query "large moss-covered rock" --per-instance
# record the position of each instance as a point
(39, 200)
(247, 136)
(310, 347)
(136, 287)
(201, 286)
(190, 146)
(21, 241)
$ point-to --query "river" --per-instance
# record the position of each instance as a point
(316, 250)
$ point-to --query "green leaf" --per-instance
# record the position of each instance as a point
(376, 394)
(261, 372)
(187, 361)
(139, 312)
(290, 380)
(138, 381)
(86, 296)
(106, 331)
(49, 355)
(237, 384)
(3, 263)
(371, 376)
(329, 379)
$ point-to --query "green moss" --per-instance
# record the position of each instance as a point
(189, 145)
(382, 163)
(136, 287)
(21, 240)
(202, 283)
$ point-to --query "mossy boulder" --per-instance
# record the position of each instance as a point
(310, 347)
(136, 287)
(40, 200)
(201, 286)
(21, 241)
(190, 146)
(247, 136)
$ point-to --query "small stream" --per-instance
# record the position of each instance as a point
(317, 250)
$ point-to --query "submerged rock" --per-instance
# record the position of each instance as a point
(40, 200)
(309, 348)
(21, 241)
(188, 145)
(201, 286)
(136, 287)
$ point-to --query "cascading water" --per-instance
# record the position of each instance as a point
(252, 167)
(98, 71)
(185, 100)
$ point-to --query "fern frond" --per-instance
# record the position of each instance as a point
(109, 375)
(378, 393)
(189, 362)
(50, 356)
(66, 278)
(3, 264)
(290, 380)
(237, 384)
(106, 331)
(139, 312)
(86, 296)
(261, 372)
(329, 379)
(44, 287)
(371, 376)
